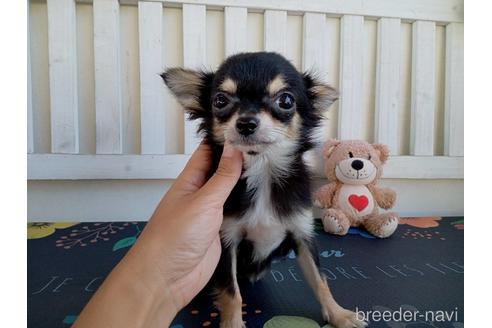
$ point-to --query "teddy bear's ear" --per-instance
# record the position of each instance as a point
(330, 146)
(383, 152)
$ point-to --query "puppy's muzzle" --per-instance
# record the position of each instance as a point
(247, 125)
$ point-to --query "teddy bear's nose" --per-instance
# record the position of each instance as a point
(357, 164)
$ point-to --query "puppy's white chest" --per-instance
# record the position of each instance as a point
(265, 238)
(260, 224)
(356, 199)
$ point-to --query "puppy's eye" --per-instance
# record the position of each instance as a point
(285, 101)
(220, 101)
(350, 154)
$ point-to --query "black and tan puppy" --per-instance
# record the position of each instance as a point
(261, 104)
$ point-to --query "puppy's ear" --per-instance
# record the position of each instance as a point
(321, 94)
(330, 146)
(191, 88)
(383, 152)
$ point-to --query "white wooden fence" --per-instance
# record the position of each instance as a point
(398, 66)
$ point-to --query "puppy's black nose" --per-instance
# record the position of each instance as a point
(247, 125)
(357, 164)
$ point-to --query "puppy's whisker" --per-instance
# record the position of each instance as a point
(280, 131)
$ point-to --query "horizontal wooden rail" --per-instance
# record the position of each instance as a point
(87, 167)
(440, 11)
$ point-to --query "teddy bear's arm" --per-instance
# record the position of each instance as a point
(324, 195)
(385, 197)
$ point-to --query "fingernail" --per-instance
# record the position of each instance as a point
(228, 150)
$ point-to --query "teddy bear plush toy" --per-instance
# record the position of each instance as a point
(352, 198)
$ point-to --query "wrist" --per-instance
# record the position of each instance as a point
(126, 299)
(148, 288)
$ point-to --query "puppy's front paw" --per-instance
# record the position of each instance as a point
(346, 319)
(236, 322)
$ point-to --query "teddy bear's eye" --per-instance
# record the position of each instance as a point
(350, 154)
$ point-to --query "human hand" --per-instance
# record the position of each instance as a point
(180, 246)
(175, 255)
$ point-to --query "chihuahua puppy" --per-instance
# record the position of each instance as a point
(263, 106)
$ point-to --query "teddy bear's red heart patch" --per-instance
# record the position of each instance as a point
(358, 202)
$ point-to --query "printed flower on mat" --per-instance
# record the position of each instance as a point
(36, 230)
(284, 321)
(91, 233)
(422, 222)
(460, 224)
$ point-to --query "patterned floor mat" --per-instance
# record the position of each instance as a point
(418, 270)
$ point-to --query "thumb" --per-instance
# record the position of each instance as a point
(220, 185)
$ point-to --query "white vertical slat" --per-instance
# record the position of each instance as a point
(388, 83)
(30, 127)
(236, 24)
(107, 76)
(453, 94)
(351, 64)
(62, 51)
(275, 29)
(194, 57)
(423, 88)
(152, 111)
(315, 44)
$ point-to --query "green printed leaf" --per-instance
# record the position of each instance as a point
(283, 321)
(125, 242)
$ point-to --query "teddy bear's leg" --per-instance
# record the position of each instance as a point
(335, 222)
(382, 225)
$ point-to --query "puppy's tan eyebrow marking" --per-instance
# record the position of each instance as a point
(276, 85)
(228, 86)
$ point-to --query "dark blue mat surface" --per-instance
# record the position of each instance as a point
(419, 269)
